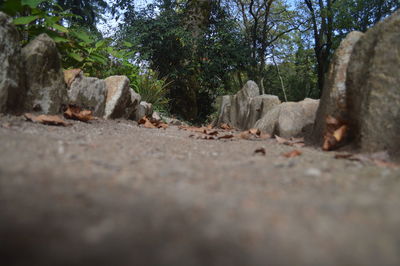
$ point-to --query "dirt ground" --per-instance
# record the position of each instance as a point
(112, 193)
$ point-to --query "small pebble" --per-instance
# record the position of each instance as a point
(313, 172)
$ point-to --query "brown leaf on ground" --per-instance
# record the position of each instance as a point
(260, 151)
(244, 135)
(296, 142)
(225, 126)
(212, 132)
(255, 131)
(227, 136)
(152, 123)
(194, 129)
(146, 123)
(335, 135)
(210, 126)
(74, 112)
(70, 75)
(53, 120)
(292, 154)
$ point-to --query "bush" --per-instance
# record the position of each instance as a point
(153, 90)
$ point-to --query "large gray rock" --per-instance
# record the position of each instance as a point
(240, 104)
(89, 93)
(258, 107)
(47, 90)
(144, 109)
(289, 119)
(243, 109)
(121, 101)
(224, 112)
(373, 84)
(12, 87)
(333, 100)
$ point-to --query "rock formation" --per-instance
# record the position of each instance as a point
(373, 83)
(122, 101)
(12, 87)
(246, 107)
(89, 93)
(44, 77)
(333, 100)
(289, 119)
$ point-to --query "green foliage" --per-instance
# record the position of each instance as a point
(79, 48)
(201, 69)
(153, 90)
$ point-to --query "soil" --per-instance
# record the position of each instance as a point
(113, 193)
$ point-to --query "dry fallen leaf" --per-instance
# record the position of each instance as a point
(335, 135)
(152, 123)
(146, 123)
(340, 133)
(74, 112)
(260, 151)
(53, 120)
(227, 136)
(292, 154)
(211, 133)
(296, 142)
(225, 126)
(255, 131)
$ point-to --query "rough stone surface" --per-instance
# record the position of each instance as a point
(333, 100)
(258, 107)
(144, 109)
(110, 193)
(243, 109)
(12, 87)
(289, 119)
(373, 84)
(47, 90)
(89, 93)
(224, 103)
(119, 102)
(241, 103)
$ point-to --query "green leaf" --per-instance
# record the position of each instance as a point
(99, 59)
(82, 36)
(75, 56)
(24, 20)
(128, 44)
(100, 43)
(32, 3)
(60, 28)
(59, 39)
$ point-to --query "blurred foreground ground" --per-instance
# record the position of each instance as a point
(111, 193)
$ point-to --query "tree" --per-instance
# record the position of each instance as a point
(87, 12)
(263, 22)
(198, 55)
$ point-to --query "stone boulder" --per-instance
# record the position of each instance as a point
(245, 108)
(122, 101)
(373, 84)
(89, 93)
(12, 87)
(144, 109)
(47, 91)
(289, 119)
(258, 107)
(333, 100)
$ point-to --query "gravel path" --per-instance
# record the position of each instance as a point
(112, 193)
